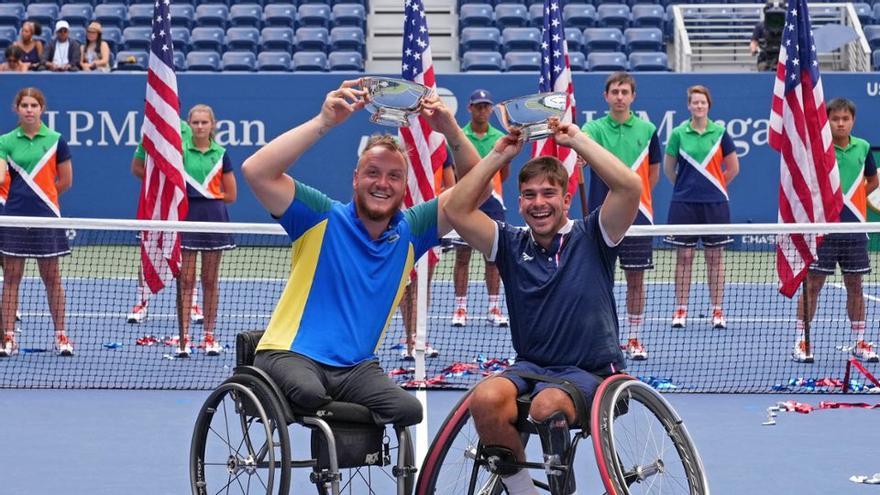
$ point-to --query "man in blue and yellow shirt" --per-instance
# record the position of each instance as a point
(350, 261)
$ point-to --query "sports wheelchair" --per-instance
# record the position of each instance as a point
(641, 446)
(241, 443)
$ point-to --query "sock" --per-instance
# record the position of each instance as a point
(195, 294)
(493, 301)
(143, 294)
(799, 327)
(717, 309)
(858, 328)
(520, 483)
(635, 322)
(461, 302)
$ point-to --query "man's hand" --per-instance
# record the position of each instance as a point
(565, 133)
(342, 102)
(438, 115)
(508, 146)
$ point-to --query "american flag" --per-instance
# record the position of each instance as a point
(556, 76)
(163, 192)
(809, 189)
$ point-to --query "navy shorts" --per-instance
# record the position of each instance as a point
(586, 382)
(850, 251)
(686, 213)
(636, 253)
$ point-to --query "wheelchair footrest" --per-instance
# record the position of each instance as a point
(325, 476)
(401, 472)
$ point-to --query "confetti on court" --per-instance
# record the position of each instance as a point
(112, 345)
(804, 408)
(147, 340)
(658, 383)
(874, 480)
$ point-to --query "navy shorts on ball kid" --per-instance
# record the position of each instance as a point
(687, 213)
(850, 251)
(586, 382)
(636, 253)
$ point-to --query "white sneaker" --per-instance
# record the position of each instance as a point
(459, 317)
(138, 313)
(430, 351)
(679, 318)
(865, 351)
(718, 321)
(406, 355)
(64, 346)
(497, 318)
(195, 314)
(183, 353)
(636, 351)
(211, 347)
(799, 353)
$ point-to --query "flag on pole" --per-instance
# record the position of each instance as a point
(163, 191)
(556, 76)
(809, 188)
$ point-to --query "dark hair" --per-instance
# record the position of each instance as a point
(547, 167)
(620, 77)
(98, 40)
(38, 28)
(700, 90)
(13, 51)
(33, 93)
(838, 104)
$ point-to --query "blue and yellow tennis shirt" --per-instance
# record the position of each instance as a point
(344, 286)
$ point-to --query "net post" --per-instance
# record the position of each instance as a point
(421, 443)
(846, 375)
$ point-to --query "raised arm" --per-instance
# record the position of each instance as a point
(265, 169)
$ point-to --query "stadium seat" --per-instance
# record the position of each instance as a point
(872, 34)
(151, 2)
(524, 39)
(12, 14)
(246, 14)
(8, 34)
(347, 38)
(77, 14)
(211, 14)
(113, 36)
(643, 40)
(132, 60)
(472, 61)
(346, 61)
(44, 13)
(536, 15)
(179, 61)
(359, 2)
(349, 14)
(137, 38)
(280, 14)
(243, 39)
(240, 61)
(875, 58)
(183, 15)
(603, 40)
(277, 38)
(511, 15)
(612, 15)
(634, 3)
(865, 13)
(606, 61)
(647, 61)
(475, 15)
(111, 14)
(876, 13)
(309, 61)
(205, 60)
(181, 39)
(273, 61)
(77, 33)
(574, 37)
(523, 61)
(314, 14)
(577, 60)
(579, 15)
(140, 14)
(210, 38)
(648, 15)
(311, 39)
(486, 39)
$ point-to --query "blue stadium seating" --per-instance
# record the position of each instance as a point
(181, 39)
(246, 14)
(44, 13)
(579, 15)
(311, 39)
(113, 36)
(132, 60)
(487, 39)
(875, 58)
(578, 61)
(314, 14)
(11, 14)
(280, 14)
(523, 61)
(643, 40)
(205, 60)
(179, 61)
(77, 14)
(211, 14)
(243, 39)
(602, 40)
(309, 61)
(349, 14)
(111, 14)
(613, 15)
(277, 38)
(511, 15)
(141, 1)
(140, 14)
(346, 61)
(647, 61)
(482, 61)
(183, 15)
(523, 39)
(606, 61)
(877, 13)
(648, 15)
(240, 61)
(634, 3)
(137, 38)
(872, 34)
(536, 15)
(208, 38)
(475, 15)
(348, 38)
(77, 33)
(273, 61)
(7, 36)
(575, 39)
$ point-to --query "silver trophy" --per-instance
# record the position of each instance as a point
(392, 101)
(530, 114)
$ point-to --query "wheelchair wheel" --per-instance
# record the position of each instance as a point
(451, 467)
(641, 444)
(240, 443)
(376, 479)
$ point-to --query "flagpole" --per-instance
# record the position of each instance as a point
(805, 297)
(583, 190)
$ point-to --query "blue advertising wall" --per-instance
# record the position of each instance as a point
(100, 115)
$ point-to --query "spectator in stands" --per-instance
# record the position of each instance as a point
(483, 136)
(13, 61)
(30, 46)
(700, 162)
(95, 54)
(63, 53)
(38, 161)
(858, 178)
(634, 141)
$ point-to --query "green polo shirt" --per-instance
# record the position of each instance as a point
(483, 143)
(854, 163)
(700, 178)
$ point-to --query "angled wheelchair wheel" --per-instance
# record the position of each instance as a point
(641, 444)
(240, 443)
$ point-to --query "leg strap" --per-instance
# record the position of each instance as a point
(500, 460)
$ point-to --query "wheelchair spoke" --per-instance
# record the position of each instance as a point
(231, 448)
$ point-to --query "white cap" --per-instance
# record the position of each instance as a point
(62, 24)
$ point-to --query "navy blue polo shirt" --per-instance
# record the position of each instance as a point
(561, 300)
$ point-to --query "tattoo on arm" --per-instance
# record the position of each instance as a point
(455, 147)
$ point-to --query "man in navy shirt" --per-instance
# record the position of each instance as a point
(558, 278)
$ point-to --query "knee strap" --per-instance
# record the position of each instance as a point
(500, 460)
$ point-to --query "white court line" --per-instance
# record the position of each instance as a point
(869, 297)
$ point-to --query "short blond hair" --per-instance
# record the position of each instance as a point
(388, 142)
